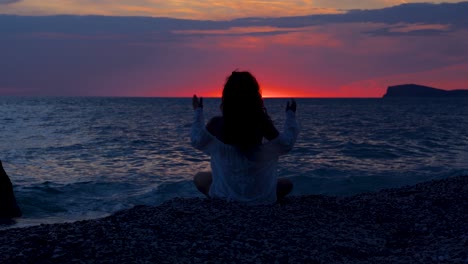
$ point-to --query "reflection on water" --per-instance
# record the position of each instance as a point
(72, 158)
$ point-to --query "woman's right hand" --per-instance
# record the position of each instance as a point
(291, 106)
(197, 102)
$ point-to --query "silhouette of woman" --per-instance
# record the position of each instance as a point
(243, 168)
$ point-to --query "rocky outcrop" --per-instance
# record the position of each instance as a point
(8, 206)
(415, 90)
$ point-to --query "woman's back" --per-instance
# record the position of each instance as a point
(239, 175)
(243, 169)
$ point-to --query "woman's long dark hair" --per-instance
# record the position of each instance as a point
(244, 114)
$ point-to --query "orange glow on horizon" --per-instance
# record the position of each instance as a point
(266, 93)
(285, 93)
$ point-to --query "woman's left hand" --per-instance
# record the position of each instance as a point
(291, 106)
(196, 102)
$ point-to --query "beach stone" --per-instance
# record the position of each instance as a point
(8, 206)
(303, 229)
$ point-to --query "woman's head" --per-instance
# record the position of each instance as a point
(243, 110)
(241, 86)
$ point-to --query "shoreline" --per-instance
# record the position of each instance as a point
(423, 223)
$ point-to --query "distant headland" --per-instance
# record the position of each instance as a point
(415, 90)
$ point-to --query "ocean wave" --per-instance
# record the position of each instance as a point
(73, 158)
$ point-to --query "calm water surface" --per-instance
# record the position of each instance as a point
(79, 158)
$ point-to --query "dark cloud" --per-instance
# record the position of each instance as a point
(424, 13)
(386, 31)
(450, 14)
(5, 2)
(102, 55)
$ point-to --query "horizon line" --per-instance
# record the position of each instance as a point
(182, 97)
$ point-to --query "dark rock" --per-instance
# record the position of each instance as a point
(8, 206)
(415, 90)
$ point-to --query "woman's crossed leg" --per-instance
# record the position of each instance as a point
(203, 181)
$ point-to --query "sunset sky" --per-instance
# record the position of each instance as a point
(323, 48)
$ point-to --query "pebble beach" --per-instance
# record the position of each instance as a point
(423, 223)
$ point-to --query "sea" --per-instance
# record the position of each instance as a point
(76, 158)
